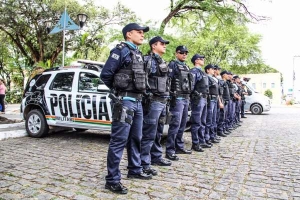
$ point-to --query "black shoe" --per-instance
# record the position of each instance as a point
(205, 145)
(227, 131)
(162, 162)
(243, 117)
(209, 142)
(172, 156)
(142, 175)
(116, 188)
(215, 141)
(151, 171)
(196, 147)
(183, 151)
(221, 134)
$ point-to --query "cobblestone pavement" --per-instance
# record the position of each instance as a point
(260, 160)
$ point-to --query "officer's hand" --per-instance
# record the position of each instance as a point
(221, 105)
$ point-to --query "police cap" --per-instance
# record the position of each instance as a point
(209, 66)
(195, 57)
(158, 39)
(229, 73)
(235, 77)
(217, 67)
(182, 48)
(223, 72)
(133, 26)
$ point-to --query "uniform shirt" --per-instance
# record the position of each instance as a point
(173, 69)
(196, 71)
(117, 59)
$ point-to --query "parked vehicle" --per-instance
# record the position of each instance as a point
(256, 103)
(73, 97)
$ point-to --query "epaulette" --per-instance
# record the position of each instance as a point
(121, 45)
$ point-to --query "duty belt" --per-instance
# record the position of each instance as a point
(184, 96)
(160, 99)
(203, 95)
(138, 96)
(213, 97)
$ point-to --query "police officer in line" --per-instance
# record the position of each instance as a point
(220, 103)
(155, 106)
(124, 72)
(198, 103)
(181, 83)
(212, 101)
(244, 92)
(232, 103)
(237, 84)
(222, 121)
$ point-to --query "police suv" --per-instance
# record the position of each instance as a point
(73, 97)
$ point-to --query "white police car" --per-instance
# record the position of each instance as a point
(73, 97)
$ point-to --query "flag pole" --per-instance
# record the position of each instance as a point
(64, 29)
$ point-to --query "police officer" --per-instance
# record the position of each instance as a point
(244, 92)
(155, 106)
(237, 83)
(199, 95)
(220, 101)
(181, 83)
(222, 122)
(124, 73)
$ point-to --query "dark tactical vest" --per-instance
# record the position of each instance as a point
(221, 87)
(226, 92)
(202, 86)
(159, 81)
(132, 77)
(213, 86)
(183, 80)
(231, 88)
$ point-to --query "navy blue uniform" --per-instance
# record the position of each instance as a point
(151, 149)
(199, 112)
(123, 133)
(179, 114)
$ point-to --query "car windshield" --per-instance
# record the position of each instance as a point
(251, 88)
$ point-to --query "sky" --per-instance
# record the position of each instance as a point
(280, 44)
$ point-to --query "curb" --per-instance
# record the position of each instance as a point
(12, 130)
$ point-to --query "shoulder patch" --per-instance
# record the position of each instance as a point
(115, 56)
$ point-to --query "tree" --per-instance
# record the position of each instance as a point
(268, 93)
(23, 21)
(223, 10)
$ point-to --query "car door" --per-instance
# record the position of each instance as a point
(58, 97)
(92, 102)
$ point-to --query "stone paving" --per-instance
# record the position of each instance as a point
(260, 160)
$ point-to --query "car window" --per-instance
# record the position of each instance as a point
(88, 82)
(37, 83)
(63, 82)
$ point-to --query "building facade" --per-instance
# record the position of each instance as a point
(263, 82)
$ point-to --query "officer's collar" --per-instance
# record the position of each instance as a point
(182, 63)
(198, 67)
(131, 45)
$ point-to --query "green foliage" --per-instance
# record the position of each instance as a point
(269, 93)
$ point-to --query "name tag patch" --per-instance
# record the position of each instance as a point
(115, 56)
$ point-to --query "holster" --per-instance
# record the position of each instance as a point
(173, 101)
(146, 103)
(195, 97)
(169, 115)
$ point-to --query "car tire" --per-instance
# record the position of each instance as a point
(36, 125)
(80, 129)
(256, 109)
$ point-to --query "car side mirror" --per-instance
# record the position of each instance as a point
(249, 92)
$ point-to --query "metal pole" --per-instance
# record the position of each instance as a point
(64, 29)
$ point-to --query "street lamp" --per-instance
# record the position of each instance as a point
(297, 56)
(65, 23)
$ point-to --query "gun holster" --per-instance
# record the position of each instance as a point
(195, 97)
(120, 113)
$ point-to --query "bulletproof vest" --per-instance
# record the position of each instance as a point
(231, 88)
(202, 86)
(221, 87)
(183, 80)
(213, 86)
(226, 92)
(132, 77)
(159, 82)
(239, 90)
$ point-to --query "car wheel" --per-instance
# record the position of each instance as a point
(256, 109)
(36, 125)
(80, 129)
